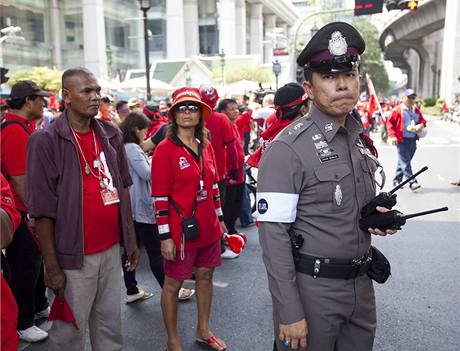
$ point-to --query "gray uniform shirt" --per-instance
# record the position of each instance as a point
(313, 180)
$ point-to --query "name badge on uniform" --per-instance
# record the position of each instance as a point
(110, 196)
(201, 195)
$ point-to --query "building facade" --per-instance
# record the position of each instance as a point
(106, 36)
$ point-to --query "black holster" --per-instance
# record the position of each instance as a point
(380, 268)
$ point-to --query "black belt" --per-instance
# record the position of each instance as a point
(332, 268)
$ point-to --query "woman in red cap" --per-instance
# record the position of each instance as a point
(188, 210)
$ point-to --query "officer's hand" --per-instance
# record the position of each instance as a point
(393, 140)
(295, 334)
(55, 279)
(377, 231)
(168, 249)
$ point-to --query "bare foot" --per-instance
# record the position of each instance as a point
(174, 345)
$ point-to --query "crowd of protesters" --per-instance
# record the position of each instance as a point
(89, 181)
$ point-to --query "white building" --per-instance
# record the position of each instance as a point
(106, 36)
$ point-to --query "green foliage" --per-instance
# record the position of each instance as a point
(235, 72)
(372, 58)
(439, 102)
(429, 101)
(431, 111)
(44, 77)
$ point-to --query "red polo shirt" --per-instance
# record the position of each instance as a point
(239, 157)
(14, 151)
(221, 135)
(176, 173)
(100, 222)
(243, 122)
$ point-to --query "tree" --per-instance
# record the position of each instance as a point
(44, 77)
(236, 72)
(372, 59)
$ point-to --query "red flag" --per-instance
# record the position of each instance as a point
(374, 103)
(60, 310)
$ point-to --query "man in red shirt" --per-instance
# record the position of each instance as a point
(235, 184)
(77, 190)
(23, 256)
(10, 219)
(156, 119)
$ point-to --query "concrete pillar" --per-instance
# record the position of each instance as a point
(55, 17)
(175, 34)
(192, 44)
(269, 27)
(240, 19)
(256, 44)
(450, 70)
(94, 37)
(227, 26)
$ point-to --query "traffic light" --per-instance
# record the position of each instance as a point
(401, 5)
(368, 7)
(3, 77)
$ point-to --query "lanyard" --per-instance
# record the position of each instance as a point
(97, 162)
(200, 169)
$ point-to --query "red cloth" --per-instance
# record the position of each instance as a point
(176, 174)
(7, 203)
(221, 135)
(14, 151)
(61, 311)
(269, 121)
(157, 122)
(238, 167)
(100, 223)
(395, 124)
(266, 137)
(244, 122)
(8, 318)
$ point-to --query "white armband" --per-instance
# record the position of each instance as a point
(276, 207)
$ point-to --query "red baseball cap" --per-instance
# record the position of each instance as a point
(209, 95)
(187, 94)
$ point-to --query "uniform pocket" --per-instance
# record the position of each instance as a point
(369, 169)
(332, 192)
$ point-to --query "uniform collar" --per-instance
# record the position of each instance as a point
(329, 127)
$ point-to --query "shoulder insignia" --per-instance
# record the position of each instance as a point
(296, 129)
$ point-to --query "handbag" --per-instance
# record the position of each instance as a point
(190, 230)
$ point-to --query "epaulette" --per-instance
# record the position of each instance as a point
(295, 129)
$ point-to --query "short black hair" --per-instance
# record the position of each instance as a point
(73, 72)
(132, 121)
(17, 104)
(224, 103)
(105, 100)
(120, 104)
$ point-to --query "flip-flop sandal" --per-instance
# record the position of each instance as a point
(212, 342)
(185, 294)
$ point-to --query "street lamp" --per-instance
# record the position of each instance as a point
(222, 64)
(145, 6)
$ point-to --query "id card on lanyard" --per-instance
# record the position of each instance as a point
(201, 193)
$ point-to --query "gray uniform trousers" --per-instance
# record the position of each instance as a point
(340, 313)
(93, 294)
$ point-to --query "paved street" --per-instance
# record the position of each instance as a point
(418, 308)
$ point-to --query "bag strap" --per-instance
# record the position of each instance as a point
(5, 124)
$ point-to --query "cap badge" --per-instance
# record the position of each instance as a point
(337, 44)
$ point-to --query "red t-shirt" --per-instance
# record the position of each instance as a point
(269, 121)
(14, 151)
(100, 222)
(239, 157)
(176, 174)
(9, 309)
(221, 132)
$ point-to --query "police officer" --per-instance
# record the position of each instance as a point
(313, 180)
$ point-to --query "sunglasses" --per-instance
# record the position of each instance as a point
(412, 97)
(187, 107)
(379, 175)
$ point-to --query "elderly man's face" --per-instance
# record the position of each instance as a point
(82, 94)
(334, 94)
